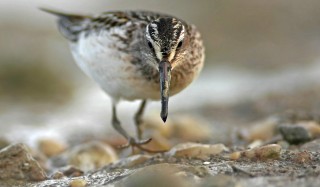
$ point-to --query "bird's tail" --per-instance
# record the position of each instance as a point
(70, 25)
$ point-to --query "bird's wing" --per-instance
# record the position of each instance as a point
(70, 25)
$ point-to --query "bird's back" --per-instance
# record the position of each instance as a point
(72, 25)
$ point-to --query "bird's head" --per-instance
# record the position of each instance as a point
(167, 40)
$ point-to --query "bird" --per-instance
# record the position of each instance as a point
(134, 55)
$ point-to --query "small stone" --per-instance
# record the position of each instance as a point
(50, 147)
(57, 175)
(71, 171)
(235, 155)
(312, 127)
(271, 151)
(182, 127)
(133, 161)
(206, 163)
(155, 124)
(254, 144)
(78, 183)
(262, 130)
(312, 146)
(295, 134)
(16, 162)
(196, 150)
(92, 155)
(189, 128)
(158, 143)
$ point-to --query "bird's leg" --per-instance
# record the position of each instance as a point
(138, 118)
(131, 141)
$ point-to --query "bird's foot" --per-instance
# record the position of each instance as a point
(132, 142)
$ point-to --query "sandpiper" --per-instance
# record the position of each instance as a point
(134, 55)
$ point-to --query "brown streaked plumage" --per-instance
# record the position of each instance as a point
(135, 55)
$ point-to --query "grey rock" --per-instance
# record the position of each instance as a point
(295, 134)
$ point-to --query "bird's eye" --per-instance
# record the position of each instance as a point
(150, 45)
(179, 44)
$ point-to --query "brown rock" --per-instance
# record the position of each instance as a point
(155, 125)
(191, 129)
(50, 147)
(158, 143)
(92, 155)
(263, 130)
(133, 161)
(235, 155)
(71, 171)
(182, 127)
(16, 162)
(196, 150)
(57, 175)
(271, 151)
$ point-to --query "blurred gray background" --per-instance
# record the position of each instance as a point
(253, 48)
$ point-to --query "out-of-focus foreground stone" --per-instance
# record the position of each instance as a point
(16, 162)
(196, 150)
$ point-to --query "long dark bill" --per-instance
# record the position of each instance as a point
(165, 77)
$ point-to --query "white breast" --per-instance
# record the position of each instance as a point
(98, 57)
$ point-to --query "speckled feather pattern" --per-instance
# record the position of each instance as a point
(112, 49)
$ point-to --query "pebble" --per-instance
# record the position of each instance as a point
(295, 134)
(92, 155)
(16, 162)
(57, 175)
(196, 150)
(183, 127)
(189, 128)
(158, 143)
(254, 144)
(133, 161)
(312, 127)
(300, 132)
(50, 147)
(154, 124)
(71, 171)
(271, 151)
(235, 155)
(78, 183)
(262, 130)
